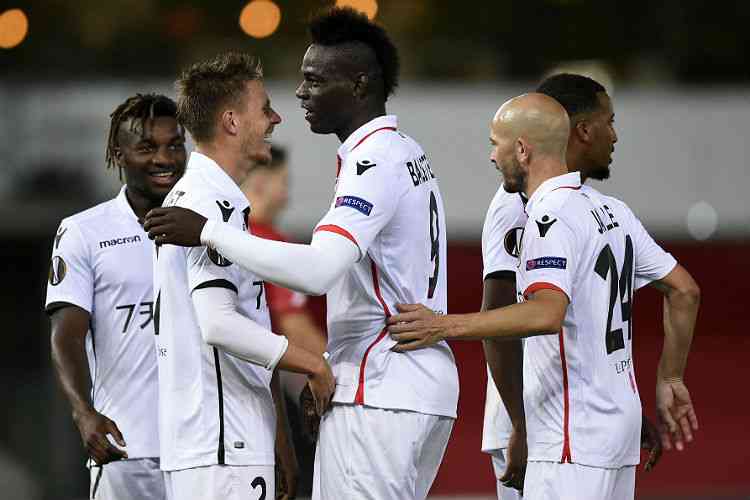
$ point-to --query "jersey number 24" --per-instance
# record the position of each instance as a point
(620, 291)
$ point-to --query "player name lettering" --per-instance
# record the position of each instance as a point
(622, 366)
(162, 352)
(604, 219)
(119, 241)
(420, 170)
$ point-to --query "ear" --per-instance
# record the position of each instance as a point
(117, 152)
(229, 122)
(582, 131)
(522, 150)
(361, 85)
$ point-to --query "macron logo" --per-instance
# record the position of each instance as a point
(119, 241)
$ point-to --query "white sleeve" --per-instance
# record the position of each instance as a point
(206, 266)
(222, 326)
(365, 200)
(651, 261)
(549, 261)
(71, 278)
(310, 269)
(501, 234)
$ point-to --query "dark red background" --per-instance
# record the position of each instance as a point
(717, 463)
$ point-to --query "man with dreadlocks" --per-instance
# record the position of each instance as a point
(101, 304)
(381, 243)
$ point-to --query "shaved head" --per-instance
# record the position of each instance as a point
(527, 132)
(539, 119)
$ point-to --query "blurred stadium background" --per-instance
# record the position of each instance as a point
(679, 75)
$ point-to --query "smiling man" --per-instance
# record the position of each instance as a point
(381, 242)
(101, 304)
(216, 352)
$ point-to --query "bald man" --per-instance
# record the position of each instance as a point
(582, 256)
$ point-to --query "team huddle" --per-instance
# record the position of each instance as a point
(174, 339)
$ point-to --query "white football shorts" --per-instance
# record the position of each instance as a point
(556, 481)
(136, 479)
(373, 453)
(498, 465)
(222, 482)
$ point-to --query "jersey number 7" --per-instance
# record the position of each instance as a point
(620, 291)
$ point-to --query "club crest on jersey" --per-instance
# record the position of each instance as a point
(544, 225)
(512, 241)
(60, 233)
(57, 270)
(362, 206)
(547, 263)
(364, 165)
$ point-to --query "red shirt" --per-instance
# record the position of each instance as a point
(280, 300)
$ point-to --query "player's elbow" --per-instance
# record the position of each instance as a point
(211, 333)
(688, 293)
(550, 322)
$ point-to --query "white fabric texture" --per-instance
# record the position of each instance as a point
(580, 397)
(222, 482)
(501, 239)
(498, 467)
(372, 453)
(102, 263)
(310, 269)
(214, 408)
(388, 202)
(139, 479)
(556, 481)
(224, 327)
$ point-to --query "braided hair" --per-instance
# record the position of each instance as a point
(138, 109)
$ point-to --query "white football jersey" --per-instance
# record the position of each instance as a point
(501, 239)
(388, 203)
(580, 396)
(214, 408)
(101, 262)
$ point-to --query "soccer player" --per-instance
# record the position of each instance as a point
(101, 304)
(267, 189)
(581, 257)
(382, 242)
(216, 353)
(589, 151)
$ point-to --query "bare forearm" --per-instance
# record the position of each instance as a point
(680, 313)
(71, 367)
(505, 359)
(68, 347)
(301, 331)
(533, 317)
(283, 430)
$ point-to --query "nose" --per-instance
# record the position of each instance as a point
(301, 91)
(163, 156)
(275, 117)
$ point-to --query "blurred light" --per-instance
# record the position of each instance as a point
(14, 25)
(368, 7)
(260, 18)
(702, 220)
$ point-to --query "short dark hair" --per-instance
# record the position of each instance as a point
(576, 93)
(138, 109)
(204, 87)
(339, 25)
